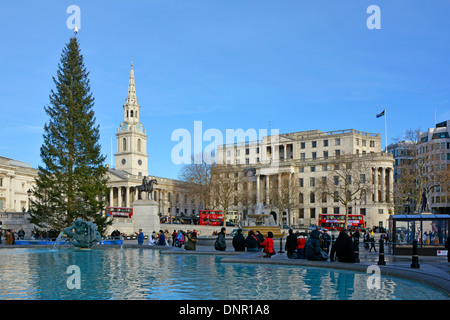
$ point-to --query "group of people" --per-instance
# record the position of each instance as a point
(254, 242)
(321, 247)
(176, 239)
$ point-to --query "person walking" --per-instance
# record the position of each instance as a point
(239, 241)
(291, 245)
(252, 242)
(220, 243)
(372, 244)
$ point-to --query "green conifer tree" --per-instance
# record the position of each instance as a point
(71, 183)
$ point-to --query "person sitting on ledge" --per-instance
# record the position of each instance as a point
(343, 248)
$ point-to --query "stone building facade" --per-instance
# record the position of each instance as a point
(306, 157)
(16, 182)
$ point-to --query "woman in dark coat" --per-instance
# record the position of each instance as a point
(343, 247)
(313, 249)
(252, 242)
(239, 241)
(220, 243)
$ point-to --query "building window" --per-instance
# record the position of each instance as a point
(325, 143)
(324, 210)
(314, 144)
(302, 145)
(314, 155)
(372, 144)
(300, 180)
(312, 197)
(124, 144)
(336, 210)
(312, 213)
(312, 182)
(325, 154)
(301, 213)
(338, 141)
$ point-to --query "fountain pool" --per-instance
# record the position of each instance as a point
(135, 273)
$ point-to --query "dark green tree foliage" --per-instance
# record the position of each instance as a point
(71, 183)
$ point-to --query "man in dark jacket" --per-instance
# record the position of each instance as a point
(239, 241)
(291, 245)
(220, 243)
(313, 251)
(343, 247)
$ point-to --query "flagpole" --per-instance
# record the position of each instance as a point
(385, 127)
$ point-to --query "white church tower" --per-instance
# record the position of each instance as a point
(131, 137)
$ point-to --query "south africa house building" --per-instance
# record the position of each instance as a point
(305, 158)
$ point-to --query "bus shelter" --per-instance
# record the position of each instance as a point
(429, 230)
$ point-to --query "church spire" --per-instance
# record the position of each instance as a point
(131, 98)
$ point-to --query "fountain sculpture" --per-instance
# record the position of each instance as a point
(82, 233)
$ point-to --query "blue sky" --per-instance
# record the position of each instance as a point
(292, 65)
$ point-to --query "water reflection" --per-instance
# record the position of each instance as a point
(148, 274)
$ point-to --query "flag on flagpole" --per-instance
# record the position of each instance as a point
(380, 114)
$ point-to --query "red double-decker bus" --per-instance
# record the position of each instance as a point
(333, 221)
(211, 218)
(119, 212)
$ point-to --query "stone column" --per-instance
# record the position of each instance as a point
(375, 185)
(267, 190)
(391, 185)
(127, 196)
(383, 184)
(111, 197)
(119, 196)
(258, 189)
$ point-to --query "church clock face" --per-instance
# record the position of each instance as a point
(124, 126)
(124, 161)
(138, 127)
(140, 162)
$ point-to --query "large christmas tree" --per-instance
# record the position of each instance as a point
(71, 183)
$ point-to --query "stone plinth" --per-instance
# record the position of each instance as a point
(145, 216)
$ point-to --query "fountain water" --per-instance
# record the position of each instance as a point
(58, 240)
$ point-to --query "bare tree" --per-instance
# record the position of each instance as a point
(349, 180)
(284, 195)
(196, 178)
(225, 183)
(247, 196)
